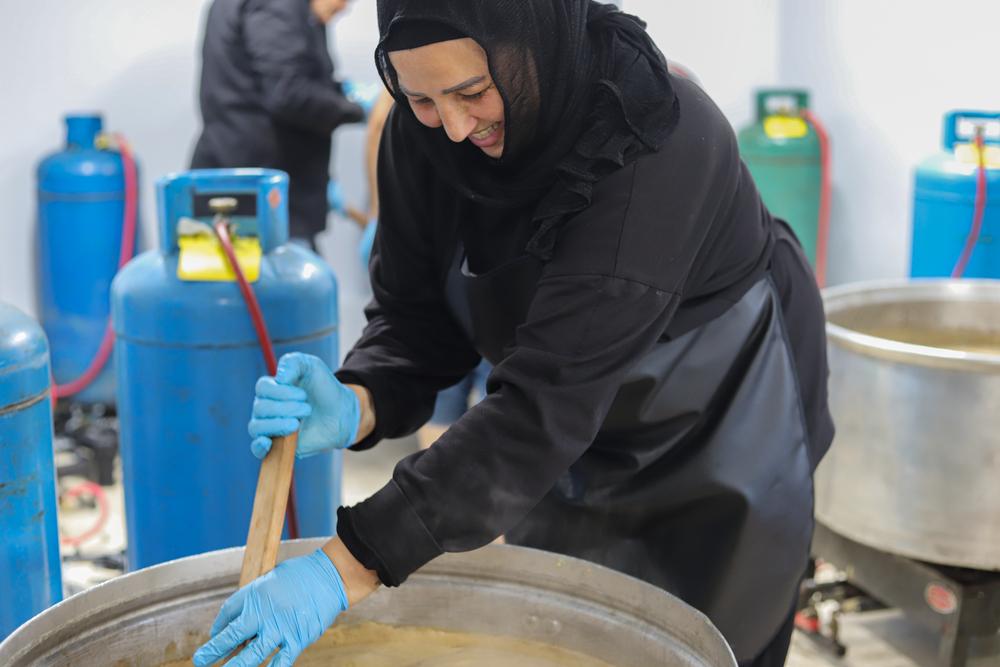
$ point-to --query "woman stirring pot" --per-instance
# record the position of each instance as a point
(552, 200)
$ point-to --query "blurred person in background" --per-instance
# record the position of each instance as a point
(269, 98)
(452, 402)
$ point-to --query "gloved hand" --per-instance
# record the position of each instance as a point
(289, 607)
(364, 95)
(367, 241)
(305, 389)
(335, 197)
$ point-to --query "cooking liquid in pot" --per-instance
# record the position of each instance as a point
(377, 645)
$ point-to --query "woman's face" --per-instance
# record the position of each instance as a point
(448, 84)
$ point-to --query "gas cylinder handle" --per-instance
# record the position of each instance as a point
(960, 127)
(189, 196)
(779, 100)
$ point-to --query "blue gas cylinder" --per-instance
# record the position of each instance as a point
(944, 201)
(30, 578)
(187, 359)
(81, 204)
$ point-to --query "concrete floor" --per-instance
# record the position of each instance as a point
(873, 639)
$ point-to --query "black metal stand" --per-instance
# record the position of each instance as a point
(846, 596)
(90, 434)
(962, 606)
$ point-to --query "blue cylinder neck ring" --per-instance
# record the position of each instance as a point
(82, 130)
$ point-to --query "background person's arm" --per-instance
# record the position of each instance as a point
(276, 39)
(376, 124)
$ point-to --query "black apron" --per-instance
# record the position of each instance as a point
(699, 481)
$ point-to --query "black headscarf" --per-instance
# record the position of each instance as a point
(585, 92)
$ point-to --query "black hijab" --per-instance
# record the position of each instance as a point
(585, 92)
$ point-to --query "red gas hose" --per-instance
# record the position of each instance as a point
(97, 492)
(979, 212)
(260, 326)
(825, 196)
(125, 254)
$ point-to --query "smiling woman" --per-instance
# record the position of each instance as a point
(448, 84)
(552, 200)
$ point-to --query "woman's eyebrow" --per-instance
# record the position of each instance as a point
(447, 91)
(465, 84)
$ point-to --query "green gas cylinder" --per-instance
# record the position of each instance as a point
(782, 152)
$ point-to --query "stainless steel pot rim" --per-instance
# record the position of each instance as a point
(120, 601)
(901, 291)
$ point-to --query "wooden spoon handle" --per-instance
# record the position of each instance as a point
(269, 504)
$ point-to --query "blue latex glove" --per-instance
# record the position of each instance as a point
(305, 389)
(364, 95)
(335, 197)
(288, 608)
(367, 241)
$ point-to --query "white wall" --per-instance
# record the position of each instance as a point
(134, 61)
(732, 45)
(883, 73)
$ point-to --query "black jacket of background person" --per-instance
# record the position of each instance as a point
(268, 99)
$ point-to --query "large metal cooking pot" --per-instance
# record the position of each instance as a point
(915, 393)
(163, 613)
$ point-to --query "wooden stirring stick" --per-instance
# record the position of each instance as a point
(269, 503)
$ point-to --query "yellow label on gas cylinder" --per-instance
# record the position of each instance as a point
(203, 260)
(785, 127)
(969, 154)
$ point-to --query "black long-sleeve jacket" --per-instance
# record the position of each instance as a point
(269, 99)
(669, 242)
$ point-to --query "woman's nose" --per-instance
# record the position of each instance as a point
(458, 125)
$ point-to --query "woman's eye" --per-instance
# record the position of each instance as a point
(475, 96)
(423, 101)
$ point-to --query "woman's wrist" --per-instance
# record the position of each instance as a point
(359, 582)
(366, 420)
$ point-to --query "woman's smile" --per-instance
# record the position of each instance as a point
(488, 137)
(448, 85)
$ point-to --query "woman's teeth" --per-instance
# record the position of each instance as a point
(487, 132)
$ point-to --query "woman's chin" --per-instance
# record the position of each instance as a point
(494, 152)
